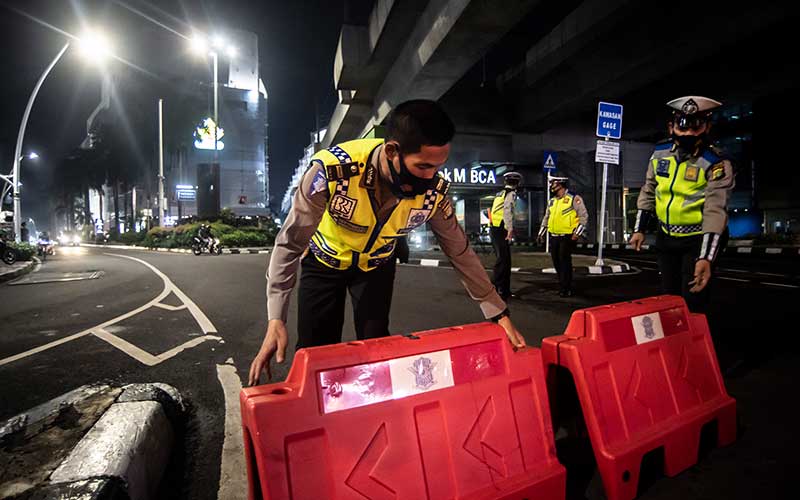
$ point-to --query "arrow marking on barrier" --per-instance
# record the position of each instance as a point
(476, 444)
(362, 478)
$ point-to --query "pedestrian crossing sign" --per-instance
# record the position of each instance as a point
(550, 160)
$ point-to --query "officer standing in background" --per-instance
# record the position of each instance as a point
(353, 203)
(501, 221)
(686, 193)
(565, 219)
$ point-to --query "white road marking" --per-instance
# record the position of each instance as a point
(732, 279)
(429, 262)
(779, 284)
(233, 470)
(169, 307)
(169, 287)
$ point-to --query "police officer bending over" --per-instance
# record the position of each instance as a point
(501, 220)
(686, 194)
(565, 219)
(352, 204)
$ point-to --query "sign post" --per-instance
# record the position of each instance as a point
(609, 126)
(550, 160)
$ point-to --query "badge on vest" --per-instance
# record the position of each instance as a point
(342, 206)
(691, 173)
(416, 218)
(662, 168)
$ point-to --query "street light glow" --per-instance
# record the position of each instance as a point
(32, 155)
(199, 44)
(94, 46)
(218, 42)
(231, 51)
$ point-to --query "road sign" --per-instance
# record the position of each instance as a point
(550, 160)
(186, 194)
(607, 152)
(609, 120)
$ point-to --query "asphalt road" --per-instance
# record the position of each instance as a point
(58, 335)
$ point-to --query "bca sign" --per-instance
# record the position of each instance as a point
(466, 175)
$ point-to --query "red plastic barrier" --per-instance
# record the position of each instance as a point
(646, 376)
(451, 413)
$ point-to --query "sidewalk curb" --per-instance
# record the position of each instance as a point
(19, 272)
(595, 270)
(124, 452)
(233, 251)
(612, 269)
(730, 249)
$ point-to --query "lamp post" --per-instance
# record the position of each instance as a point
(91, 42)
(9, 179)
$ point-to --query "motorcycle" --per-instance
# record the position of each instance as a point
(8, 254)
(45, 247)
(211, 244)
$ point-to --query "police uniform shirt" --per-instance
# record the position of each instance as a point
(720, 182)
(508, 209)
(580, 210)
(309, 205)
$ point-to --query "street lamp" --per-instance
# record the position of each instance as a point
(9, 183)
(92, 45)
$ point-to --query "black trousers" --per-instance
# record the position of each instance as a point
(321, 300)
(502, 266)
(676, 260)
(561, 248)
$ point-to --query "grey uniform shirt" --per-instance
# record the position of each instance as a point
(508, 209)
(309, 204)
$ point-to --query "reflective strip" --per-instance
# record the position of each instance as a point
(680, 229)
(638, 221)
(366, 384)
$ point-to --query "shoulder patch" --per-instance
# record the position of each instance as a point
(340, 171)
(718, 171)
(446, 207)
(318, 184)
(442, 186)
(578, 200)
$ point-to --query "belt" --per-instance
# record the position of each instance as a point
(682, 229)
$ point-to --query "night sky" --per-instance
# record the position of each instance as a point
(297, 42)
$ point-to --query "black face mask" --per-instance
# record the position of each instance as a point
(688, 143)
(414, 186)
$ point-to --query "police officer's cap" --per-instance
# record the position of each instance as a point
(690, 111)
(561, 179)
(512, 177)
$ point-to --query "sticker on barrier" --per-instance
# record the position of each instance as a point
(451, 413)
(647, 379)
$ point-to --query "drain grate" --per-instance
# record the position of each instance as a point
(45, 277)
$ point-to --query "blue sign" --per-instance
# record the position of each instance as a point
(550, 160)
(609, 120)
(186, 194)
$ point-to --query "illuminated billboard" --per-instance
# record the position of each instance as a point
(204, 135)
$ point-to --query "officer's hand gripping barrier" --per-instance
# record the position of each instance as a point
(647, 377)
(451, 413)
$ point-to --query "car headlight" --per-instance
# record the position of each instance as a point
(76, 239)
(62, 239)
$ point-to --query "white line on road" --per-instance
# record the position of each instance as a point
(732, 279)
(233, 470)
(779, 284)
(170, 308)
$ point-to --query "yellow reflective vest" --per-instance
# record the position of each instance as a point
(680, 190)
(496, 212)
(349, 234)
(563, 217)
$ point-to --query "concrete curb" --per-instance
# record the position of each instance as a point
(122, 455)
(730, 249)
(595, 270)
(612, 269)
(188, 251)
(16, 273)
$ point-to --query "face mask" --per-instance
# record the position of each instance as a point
(687, 143)
(414, 186)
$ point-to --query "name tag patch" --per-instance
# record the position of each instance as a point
(662, 168)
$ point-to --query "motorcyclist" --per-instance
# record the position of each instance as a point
(204, 233)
